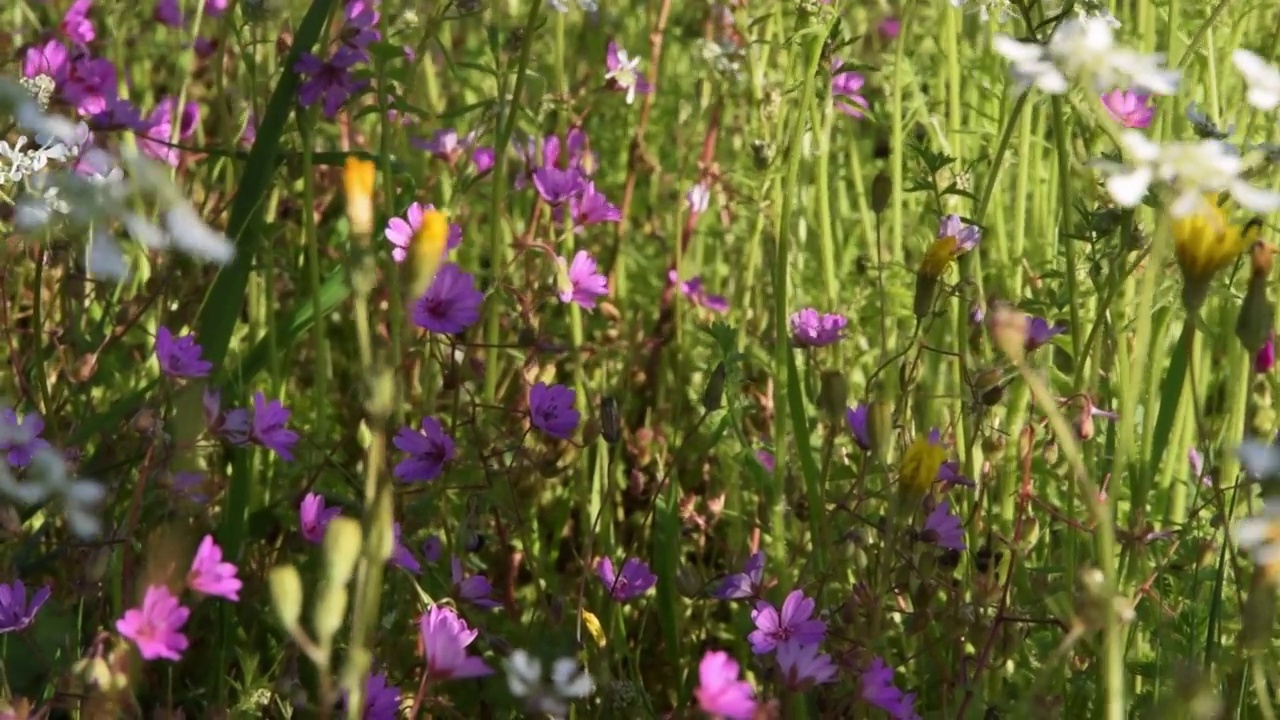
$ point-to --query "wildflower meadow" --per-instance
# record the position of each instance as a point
(743, 359)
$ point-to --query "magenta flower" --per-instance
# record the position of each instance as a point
(50, 58)
(209, 575)
(157, 130)
(720, 693)
(557, 186)
(475, 589)
(76, 25)
(329, 81)
(580, 283)
(444, 145)
(793, 623)
(1040, 332)
(809, 328)
(361, 26)
(878, 690)
(623, 73)
(381, 701)
(949, 472)
(845, 90)
(269, 431)
(551, 410)
(966, 236)
(1197, 467)
(90, 85)
(156, 626)
(180, 356)
(15, 612)
(233, 426)
(1130, 109)
(314, 517)
(168, 13)
(445, 638)
(119, 114)
(432, 548)
(746, 584)
(451, 304)
(1266, 357)
(889, 28)
(803, 666)
(537, 154)
(588, 207)
(482, 158)
(401, 556)
(856, 417)
(766, 459)
(943, 529)
(634, 580)
(400, 231)
(429, 449)
(20, 439)
(693, 290)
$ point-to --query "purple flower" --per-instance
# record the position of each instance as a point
(856, 417)
(1130, 109)
(156, 626)
(445, 638)
(1266, 357)
(845, 87)
(269, 431)
(588, 207)
(693, 290)
(209, 575)
(361, 26)
(551, 410)
(475, 589)
(1040, 332)
(792, 623)
(809, 328)
(557, 186)
(191, 485)
(168, 13)
(432, 548)
(720, 693)
(76, 25)
(429, 449)
(766, 459)
(948, 472)
(400, 231)
(401, 556)
(624, 73)
(15, 612)
(50, 58)
(233, 426)
(1197, 467)
(180, 356)
(451, 304)
(889, 28)
(803, 666)
(699, 199)
(20, 439)
(965, 236)
(634, 580)
(443, 145)
(878, 690)
(330, 80)
(579, 281)
(483, 158)
(157, 130)
(546, 153)
(746, 584)
(381, 701)
(314, 517)
(90, 85)
(943, 529)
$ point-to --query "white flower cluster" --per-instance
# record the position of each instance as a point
(563, 5)
(1084, 48)
(47, 477)
(569, 681)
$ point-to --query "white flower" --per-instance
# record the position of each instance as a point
(105, 260)
(191, 234)
(1260, 535)
(626, 73)
(1260, 460)
(568, 681)
(699, 198)
(563, 5)
(1084, 47)
(1262, 78)
(1192, 168)
(47, 478)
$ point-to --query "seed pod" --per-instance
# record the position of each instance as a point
(881, 192)
(880, 428)
(342, 541)
(610, 420)
(330, 609)
(286, 595)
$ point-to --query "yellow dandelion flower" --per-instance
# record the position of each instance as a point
(939, 256)
(1206, 241)
(427, 251)
(357, 182)
(920, 464)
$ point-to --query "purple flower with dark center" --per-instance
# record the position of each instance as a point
(809, 328)
(1266, 357)
(381, 701)
(20, 439)
(445, 638)
(443, 145)
(475, 589)
(451, 304)
(50, 58)
(720, 693)
(579, 281)
(329, 80)
(269, 431)
(634, 580)
(314, 517)
(693, 290)
(949, 474)
(793, 622)
(1130, 109)
(878, 690)
(180, 356)
(156, 626)
(803, 666)
(556, 186)
(233, 426)
(156, 131)
(1040, 332)
(15, 612)
(361, 26)
(746, 584)
(943, 529)
(965, 236)
(551, 410)
(119, 114)
(429, 449)
(401, 230)
(90, 85)
(401, 556)
(76, 25)
(845, 90)
(856, 417)
(589, 207)
(432, 548)
(209, 575)
(623, 73)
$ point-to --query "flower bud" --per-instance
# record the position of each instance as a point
(331, 608)
(354, 671)
(286, 595)
(342, 541)
(1256, 320)
(833, 394)
(357, 182)
(381, 540)
(610, 420)
(1009, 328)
(922, 304)
(713, 394)
(881, 192)
(880, 429)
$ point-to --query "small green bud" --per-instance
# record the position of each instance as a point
(382, 538)
(922, 303)
(331, 608)
(380, 393)
(342, 541)
(1257, 315)
(286, 595)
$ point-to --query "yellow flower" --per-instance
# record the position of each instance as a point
(357, 183)
(939, 256)
(1206, 242)
(920, 464)
(427, 251)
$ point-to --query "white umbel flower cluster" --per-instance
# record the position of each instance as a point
(569, 681)
(1084, 48)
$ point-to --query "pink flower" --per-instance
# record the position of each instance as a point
(803, 666)
(720, 692)
(580, 282)
(400, 231)
(792, 623)
(156, 626)
(76, 25)
(1131, 109)
(50, 59)
(314, 517)
(209, 575)
(445, 638)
